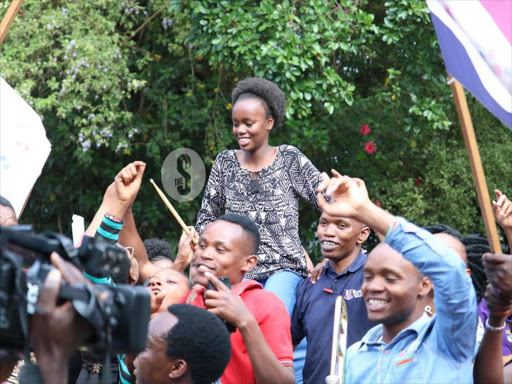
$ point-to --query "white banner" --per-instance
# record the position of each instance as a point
(24, 147)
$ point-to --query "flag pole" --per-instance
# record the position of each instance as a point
(475, 161)
(9, 17)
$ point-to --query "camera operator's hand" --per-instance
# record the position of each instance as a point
(128, 181)
(59, 330)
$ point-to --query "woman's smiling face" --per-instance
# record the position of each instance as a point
(251, 126)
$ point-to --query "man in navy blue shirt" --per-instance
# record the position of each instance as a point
(340, 242)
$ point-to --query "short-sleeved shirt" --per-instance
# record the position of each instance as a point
(313, 315)
(271, 201)
(483, 313)
(273, 320)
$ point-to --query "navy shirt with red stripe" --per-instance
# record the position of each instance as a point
(313, 315)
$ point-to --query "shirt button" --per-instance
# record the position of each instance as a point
(386, 352)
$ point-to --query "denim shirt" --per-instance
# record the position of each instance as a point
(431, 350)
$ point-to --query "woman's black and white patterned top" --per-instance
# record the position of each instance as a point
(272, 202)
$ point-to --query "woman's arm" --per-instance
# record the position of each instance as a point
(214, 199)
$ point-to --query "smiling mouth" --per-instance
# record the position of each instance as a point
(244, 140)
(328, 245)
(203, 268)
(376, 304)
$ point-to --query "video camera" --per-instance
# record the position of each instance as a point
(119, 314)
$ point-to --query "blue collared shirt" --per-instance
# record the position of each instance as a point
(431, 350)
(314, 314)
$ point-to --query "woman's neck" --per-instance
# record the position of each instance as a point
(259, 159)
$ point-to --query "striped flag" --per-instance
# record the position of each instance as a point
(475, 37)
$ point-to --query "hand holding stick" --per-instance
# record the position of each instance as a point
(173, 211)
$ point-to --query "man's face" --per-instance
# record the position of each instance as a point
(223, 250)
(7, 217)
(171, 283)
(152, 365)
(391, 287)
(338, 236)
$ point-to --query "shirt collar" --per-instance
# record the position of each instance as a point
(356, 265)
(374, 335)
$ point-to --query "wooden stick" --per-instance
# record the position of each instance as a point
(476, 164)
(9, 18)
(173, 211)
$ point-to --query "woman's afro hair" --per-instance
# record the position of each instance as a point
(270, 93)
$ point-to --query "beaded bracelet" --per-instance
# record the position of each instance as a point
(494, 329)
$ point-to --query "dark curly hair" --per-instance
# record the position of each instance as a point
(158, 249)
(249, 227)
(202, 340)
(272, 97)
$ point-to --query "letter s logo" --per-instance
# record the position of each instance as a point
(182, 170)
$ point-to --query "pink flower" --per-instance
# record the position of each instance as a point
(365, 129)
(377, 203)
(370, 147)
(417, 182)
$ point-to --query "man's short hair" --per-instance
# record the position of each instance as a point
(6, 203)
(158, 249)
(202, 340)
(249, 227)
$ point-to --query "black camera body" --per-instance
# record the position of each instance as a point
(120, 318)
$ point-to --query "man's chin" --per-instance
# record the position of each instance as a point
(201, 280)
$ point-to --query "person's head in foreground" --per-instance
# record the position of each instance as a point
(258, 106)
(394, 290)
(185, 345)
(226, 248)
(167, 286)
(159, 252)
(7, 213)
(340, 238)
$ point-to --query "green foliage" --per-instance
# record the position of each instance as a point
(117, 81)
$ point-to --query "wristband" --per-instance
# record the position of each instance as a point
(489, 327)
(113, 218)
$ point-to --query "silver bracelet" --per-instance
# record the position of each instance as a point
(494, 329)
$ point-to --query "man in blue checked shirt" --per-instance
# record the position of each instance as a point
(407, 346)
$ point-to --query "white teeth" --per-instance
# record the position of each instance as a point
(375, 303)
(329, 243)
(156, 291)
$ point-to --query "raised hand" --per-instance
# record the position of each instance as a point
(498, 305)
(502, 210)
(347, 195)
(186, 248)
(128, 180)
(498, 269)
